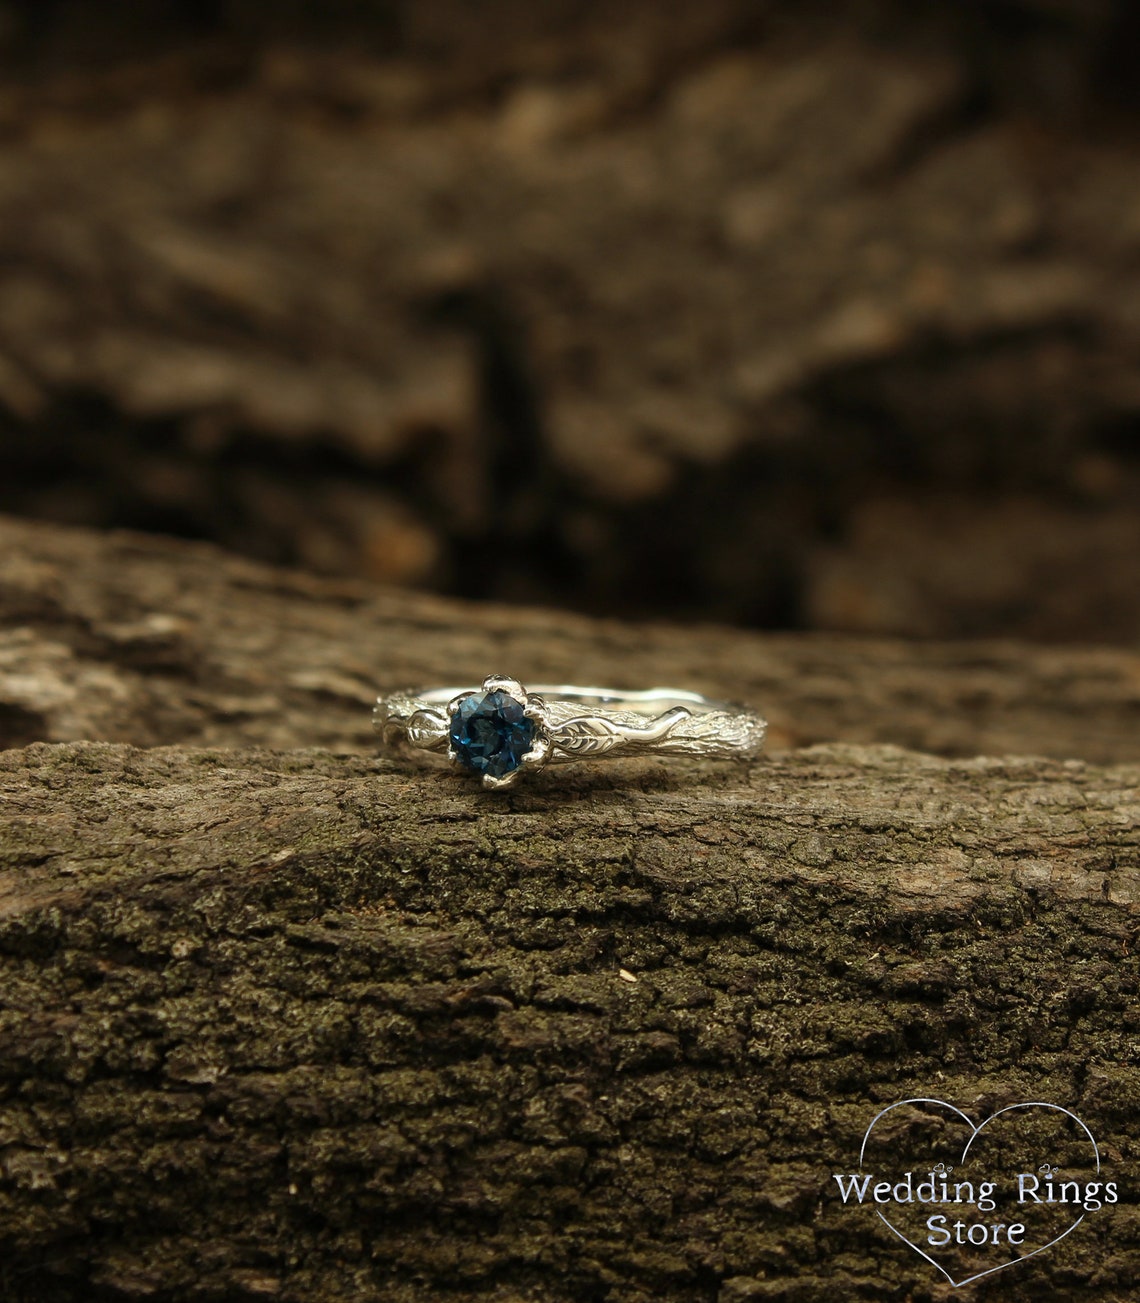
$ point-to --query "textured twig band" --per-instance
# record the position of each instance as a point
(504, 727)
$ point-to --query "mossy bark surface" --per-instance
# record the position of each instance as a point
(291, 1021)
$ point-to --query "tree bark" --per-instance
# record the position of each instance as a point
(279, 1019)
(832, 304)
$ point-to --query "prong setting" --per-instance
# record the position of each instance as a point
(498, 731)
(503, 683)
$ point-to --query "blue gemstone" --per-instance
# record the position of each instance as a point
(490, 733)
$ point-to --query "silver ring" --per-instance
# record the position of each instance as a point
(503, 730)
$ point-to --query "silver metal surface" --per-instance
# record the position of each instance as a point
(577, 723)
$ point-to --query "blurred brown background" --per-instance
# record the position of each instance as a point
(795, 315)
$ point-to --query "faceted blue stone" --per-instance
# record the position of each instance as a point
(490, 733)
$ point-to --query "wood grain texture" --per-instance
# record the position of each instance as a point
(280, 1019)
(654, 194)
(832, 304)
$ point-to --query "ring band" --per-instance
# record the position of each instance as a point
(502, 729)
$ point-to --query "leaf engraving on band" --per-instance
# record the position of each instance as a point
(591, 735)
(427, 729)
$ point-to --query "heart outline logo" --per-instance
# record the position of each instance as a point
(975, 1131)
